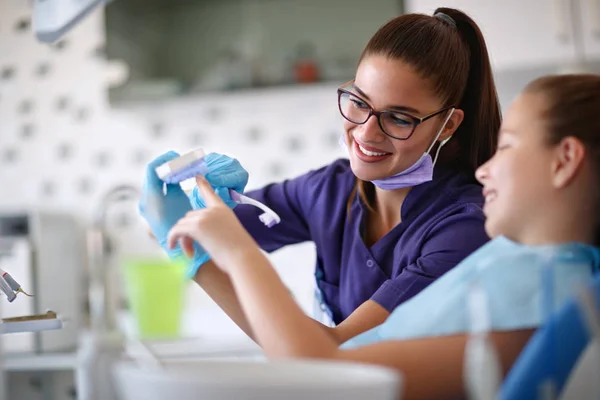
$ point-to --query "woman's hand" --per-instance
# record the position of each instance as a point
(224, 173)
(216, 228)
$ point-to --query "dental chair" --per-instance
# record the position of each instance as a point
(562, 359)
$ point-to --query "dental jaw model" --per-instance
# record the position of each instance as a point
(183, 167)
(192, 164)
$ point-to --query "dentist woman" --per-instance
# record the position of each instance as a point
(420, 117)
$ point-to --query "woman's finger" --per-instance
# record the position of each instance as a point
(187, 245)
(172, 239)
(186, 226)
(177, 232)
(209, 196)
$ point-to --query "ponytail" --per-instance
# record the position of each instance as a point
(477, 135)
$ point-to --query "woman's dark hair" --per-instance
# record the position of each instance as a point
(448, 50)
(572, 104)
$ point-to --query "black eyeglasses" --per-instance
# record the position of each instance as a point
(395, 124)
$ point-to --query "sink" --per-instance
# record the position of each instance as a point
(205, 347)
(204, 379)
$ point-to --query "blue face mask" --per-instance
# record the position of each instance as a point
(419, 172)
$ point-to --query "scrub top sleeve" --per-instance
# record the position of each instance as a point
(292, 200)
(448, 243)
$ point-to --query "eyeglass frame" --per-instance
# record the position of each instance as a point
(418, 120)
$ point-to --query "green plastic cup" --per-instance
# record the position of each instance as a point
(155, 290)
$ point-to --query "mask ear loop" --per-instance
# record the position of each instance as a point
(443, 142)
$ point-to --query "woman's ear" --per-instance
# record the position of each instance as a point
(570, 153)
(452, 125)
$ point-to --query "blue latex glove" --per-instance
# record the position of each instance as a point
(224, 173)
(163, 211)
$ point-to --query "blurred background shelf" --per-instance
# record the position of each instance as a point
(237, 44)
(40, 362)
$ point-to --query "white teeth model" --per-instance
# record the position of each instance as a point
(370, 153)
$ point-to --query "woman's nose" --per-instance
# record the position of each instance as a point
(370, 131)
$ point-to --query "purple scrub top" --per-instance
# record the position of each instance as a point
(442, 223)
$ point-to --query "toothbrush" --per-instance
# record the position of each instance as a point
(268, 217)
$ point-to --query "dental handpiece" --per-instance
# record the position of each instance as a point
(7, 290)
(14, 285)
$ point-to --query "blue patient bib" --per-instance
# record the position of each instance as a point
(510, 273)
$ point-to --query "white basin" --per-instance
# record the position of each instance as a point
(256, 380)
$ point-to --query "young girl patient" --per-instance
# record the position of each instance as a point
(542, 207)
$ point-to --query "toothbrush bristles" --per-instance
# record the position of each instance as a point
(268, 220)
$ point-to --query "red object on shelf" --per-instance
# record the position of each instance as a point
(306, 72)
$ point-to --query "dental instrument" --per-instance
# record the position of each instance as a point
(192, 164)
(10, 287)
(14, 285)
(29, 323)
(7, 290)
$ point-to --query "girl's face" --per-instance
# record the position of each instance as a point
(383, 83)
(517, 181)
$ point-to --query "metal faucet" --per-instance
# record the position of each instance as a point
(102, 344)
(102, 287)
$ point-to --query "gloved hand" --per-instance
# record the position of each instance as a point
(162, 211)
(224, 173)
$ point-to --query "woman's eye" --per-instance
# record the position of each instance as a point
(358, 104)
(400, 121)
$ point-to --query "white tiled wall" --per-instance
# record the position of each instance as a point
(62, 146)
(276, 133)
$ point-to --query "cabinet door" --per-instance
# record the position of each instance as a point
(518, 33)
(589, 24)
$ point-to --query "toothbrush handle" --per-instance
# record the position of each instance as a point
(235, 196)
(268, 217)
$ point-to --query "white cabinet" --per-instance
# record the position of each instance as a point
(589, 28)
(530, 33)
